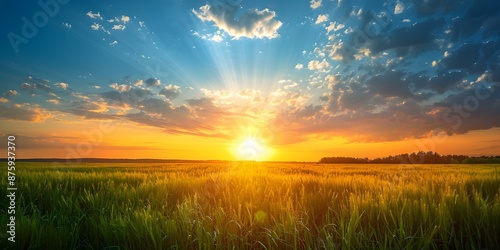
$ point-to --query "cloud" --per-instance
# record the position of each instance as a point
(95, 26)
(53, 101)
(299, 66)
(138, 83)
(113, 43)
(463, 112)
(389, 84)
(399, 8)
(334, 26)
(125, 19)
(403, 39)
(94, 15)
(115, 19)
(446, 81)
(80, 96)
(25, 112)
(321, 18)
(62, 85)
(120, 87)
(429, 7)
(66, 25)
(118, 27)
(152, 82)
(128, 96)
(317, 65)
(199, 117)
(34, 85)
(171, 91)
(251, 23)
(478, 55)
(315, 4)
(217, 38)
(11, 92)
(89, 109)
(3, 100)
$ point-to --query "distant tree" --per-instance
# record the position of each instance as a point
(420, 157)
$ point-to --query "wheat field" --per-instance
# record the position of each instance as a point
(251, 205)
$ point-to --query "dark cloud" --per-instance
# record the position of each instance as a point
(130, 97)
(473, 109)
(89, 110)
(156, 106)
(23, 113)
(480, 17)
(429, 7)
(465, 57)
(472, 57)
(389, 84)
(446, 81)
(170, 92)
(150, 82)
(407, 38)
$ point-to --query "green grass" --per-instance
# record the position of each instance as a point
(255, 206)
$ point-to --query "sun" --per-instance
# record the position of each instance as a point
(250, 148)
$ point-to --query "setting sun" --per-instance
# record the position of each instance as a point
(251, 148)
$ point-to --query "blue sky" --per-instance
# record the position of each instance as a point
(364, 71)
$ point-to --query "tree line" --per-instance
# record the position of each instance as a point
(416, 158)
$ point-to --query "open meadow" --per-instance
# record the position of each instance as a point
(251, 205)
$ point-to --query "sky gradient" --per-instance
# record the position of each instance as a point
(258, 80)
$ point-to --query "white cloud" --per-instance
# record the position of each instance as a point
(320, 52)
(120, 87)
(115, 19)
(348, 30)
(399, 8)
(94, 15)
(291, 85)
(11, 92)
(317, 65)
(62, 85)
(96, 86)
(299, 66)
(322, 18)
(66, 25)
(53, 101)
(251, 24)
(217, 38)
(113, 43)
(95, 26)
(80, 96)
(249, 93)
(125, 19)
(315, 4)
(406, 20)
(334, 26)
(138, 83)
(119, 27)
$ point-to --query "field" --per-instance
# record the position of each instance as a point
(248, 205)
